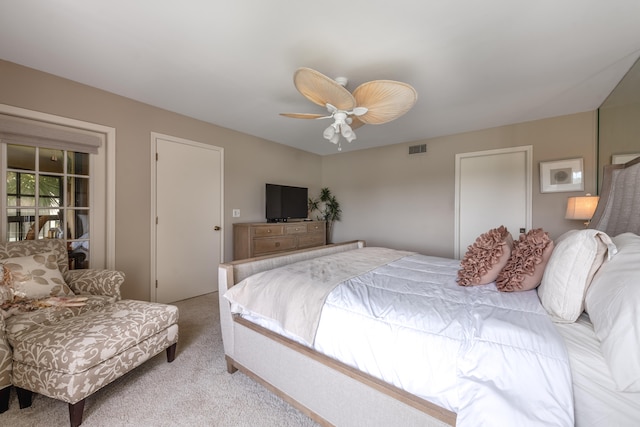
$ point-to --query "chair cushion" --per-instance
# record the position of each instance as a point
(30, 247)
(78, 343)
(36, 276)
(21, 322)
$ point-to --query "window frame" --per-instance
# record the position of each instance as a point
(102, 183)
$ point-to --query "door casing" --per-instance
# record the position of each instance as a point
(498, 193)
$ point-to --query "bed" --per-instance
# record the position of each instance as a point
(335, 387)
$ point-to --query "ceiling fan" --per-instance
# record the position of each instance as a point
(374, 102)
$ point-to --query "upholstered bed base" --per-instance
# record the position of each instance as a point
(327, 391)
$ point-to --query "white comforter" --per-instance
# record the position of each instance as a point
(494, 358)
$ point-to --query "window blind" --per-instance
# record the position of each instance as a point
(21, 131)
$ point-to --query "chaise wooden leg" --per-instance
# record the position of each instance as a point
(75, 413)
(171, 352)
(25, 397)
(4, 399)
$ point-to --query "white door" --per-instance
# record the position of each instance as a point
(493, 188)
(188, 218)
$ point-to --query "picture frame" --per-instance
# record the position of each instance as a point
(617, 159)
(562, 176)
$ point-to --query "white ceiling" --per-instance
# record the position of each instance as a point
(475, 64)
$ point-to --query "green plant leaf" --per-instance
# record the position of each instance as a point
(327, 205)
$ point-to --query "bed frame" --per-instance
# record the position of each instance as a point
(329, 392)
(333, 393)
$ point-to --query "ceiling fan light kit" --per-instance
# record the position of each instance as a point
(340, 126)
(374, 102)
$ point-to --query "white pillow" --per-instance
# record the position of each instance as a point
(36, 276)
(613, 301)
(577, 256)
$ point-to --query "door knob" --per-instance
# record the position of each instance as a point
(216, 228)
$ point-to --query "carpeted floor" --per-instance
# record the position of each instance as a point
(194, 390)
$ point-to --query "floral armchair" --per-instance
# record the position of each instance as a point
(104, 284)
(67, 333)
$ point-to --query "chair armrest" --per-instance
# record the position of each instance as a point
(96, 282)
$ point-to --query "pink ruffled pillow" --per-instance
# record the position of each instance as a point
(530, 255)
(485, 257)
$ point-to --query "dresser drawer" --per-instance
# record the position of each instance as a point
(268, 230)
(265, 245)
(296, 228)
(311, 239)
(315, 226)
(252, 239)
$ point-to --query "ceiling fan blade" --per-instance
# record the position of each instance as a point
(305, 115)
(386, 100)
(322, 90)
(355, 123)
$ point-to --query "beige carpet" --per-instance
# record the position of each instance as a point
(194, 390)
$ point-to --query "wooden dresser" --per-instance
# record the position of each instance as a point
(254, 239)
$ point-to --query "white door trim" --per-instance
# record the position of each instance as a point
(527, 150)
(154, 137)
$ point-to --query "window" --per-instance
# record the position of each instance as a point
(47, 197)
(58, 182)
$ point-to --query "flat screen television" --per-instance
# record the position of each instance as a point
(284, 202)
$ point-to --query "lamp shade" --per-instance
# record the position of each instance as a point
(581, 207)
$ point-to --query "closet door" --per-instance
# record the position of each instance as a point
(188, 219)
(493, 188)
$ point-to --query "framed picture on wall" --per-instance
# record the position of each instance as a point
(617, 159)
(561, 175)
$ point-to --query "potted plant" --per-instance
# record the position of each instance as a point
(329, 209)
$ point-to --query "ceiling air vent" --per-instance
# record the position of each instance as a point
(417, 149)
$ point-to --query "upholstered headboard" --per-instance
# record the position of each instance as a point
(618, 210)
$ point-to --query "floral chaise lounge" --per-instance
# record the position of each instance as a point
(66, 333)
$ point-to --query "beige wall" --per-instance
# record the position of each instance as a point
(618, 124)
(392, 199)
(388, 198)
(249, 161)
(619, 132)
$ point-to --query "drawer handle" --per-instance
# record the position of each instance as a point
(277, 244)
(268, 230)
